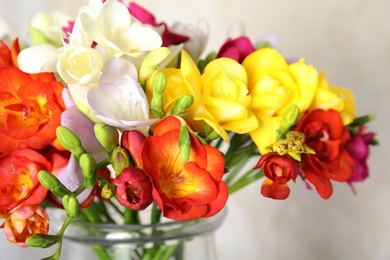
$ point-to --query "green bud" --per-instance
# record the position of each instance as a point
(184, 143)
(182, 104)
(151, 61)
(71, 206)
(159, 83)
(290, 117)
(70, 141)
(42, 240)
(107, 136)
(50, 182)
(157, 105)
(362, 120)
(212, 136)
(120, 159)
(88, 166)
(108, 191)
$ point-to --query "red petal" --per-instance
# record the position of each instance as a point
(275, 191)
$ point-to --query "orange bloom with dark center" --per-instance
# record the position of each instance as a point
(24, 223)
(183, 189)
(30, 109)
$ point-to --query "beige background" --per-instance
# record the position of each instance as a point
(349, 39)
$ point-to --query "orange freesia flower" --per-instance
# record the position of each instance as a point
(30, 109)
(19, 184)
(183, 189)
(25, 222)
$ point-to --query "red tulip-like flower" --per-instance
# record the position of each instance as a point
(26, 222)
(134, 189)
(30, 108)
(236, 49)
(183, 189)
(326, 135)
(279, 170)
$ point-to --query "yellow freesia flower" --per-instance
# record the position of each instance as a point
(275, 85)
(220, 93)
(334, 97)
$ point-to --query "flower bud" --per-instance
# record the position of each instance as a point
(107, 136)
(157, 105)
(184, 143)
(88, 166)
(159, 83)
(50, 182)
(42, 240)
(151, 61)
(71, 206)
(108, 191)
(132, 141)
(182, 104)
(120, 159)
(70, 141)
(289, 118)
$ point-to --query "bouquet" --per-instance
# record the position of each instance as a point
(115, 110)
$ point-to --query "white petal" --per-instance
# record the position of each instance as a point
(117, 68)
(39, 58)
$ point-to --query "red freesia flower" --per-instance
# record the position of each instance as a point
(279, 170)
(144, 16)
(7, 56)
(30, 109)
(358, 148)
(183, 189)
(24, 223)
(236, 49)
(132, 141)
(134, 189)
(19, 184)
(326, 135)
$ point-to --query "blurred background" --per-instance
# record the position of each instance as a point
(348, 39)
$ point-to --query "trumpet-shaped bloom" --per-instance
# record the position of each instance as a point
(19, 184)
(326, 135)
(30, 109)
(112, 27)
(275, 85)
(120, 101)
(236, 49)
(183, 189)
(24, 223)
(220, 93)
(134, 189)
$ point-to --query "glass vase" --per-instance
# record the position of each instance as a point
(182, 240)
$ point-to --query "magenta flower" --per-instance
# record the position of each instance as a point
(145, 17)
(236, 49)
(358, 149)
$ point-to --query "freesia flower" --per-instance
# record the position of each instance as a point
(134, 189)
(221, 94)
(132, 141)
(326, 135)
(30, 109)
(24, 223)
(334, 97)
(120, 101)
(279, 170)
(358, 149)
(236, 49)
(275, 85)
(130, 38)
(19, 184)
(8, 57)
(183, 189)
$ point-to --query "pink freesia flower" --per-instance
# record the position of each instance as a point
(358, 149)
(144, 16)
(236, 49)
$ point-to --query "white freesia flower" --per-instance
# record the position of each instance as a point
(80, 65)
(119, 100)
(114, 29)
(198, 36)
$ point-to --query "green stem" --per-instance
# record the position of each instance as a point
(249, 177)
(131, 216)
